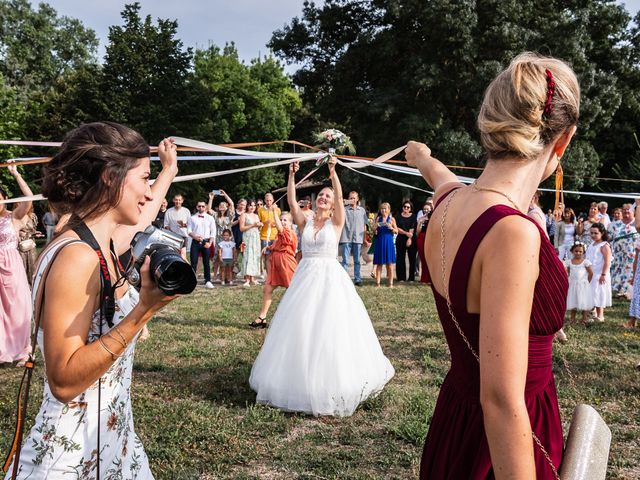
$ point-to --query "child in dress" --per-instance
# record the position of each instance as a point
(599, 254)
(282, 264)
(580, 274)
(228, 252)
(634, 307)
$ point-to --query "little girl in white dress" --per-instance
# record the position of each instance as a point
(579, 296)
(599, 254)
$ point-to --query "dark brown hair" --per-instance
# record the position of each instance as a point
(87, 175)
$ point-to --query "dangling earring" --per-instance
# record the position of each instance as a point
(559, 186)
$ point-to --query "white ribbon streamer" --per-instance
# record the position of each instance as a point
(210, 147)
(197, 176)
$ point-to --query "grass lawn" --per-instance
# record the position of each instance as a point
(196, 416)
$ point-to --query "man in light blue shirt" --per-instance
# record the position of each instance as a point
(352, 236)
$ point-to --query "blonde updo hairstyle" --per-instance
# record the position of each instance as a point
(512, 119)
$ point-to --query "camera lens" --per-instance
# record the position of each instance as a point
(171, 272)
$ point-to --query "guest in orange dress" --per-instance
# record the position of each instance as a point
(282, 264)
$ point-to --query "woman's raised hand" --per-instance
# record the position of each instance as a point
(415, 152)
(332, 164)
(13, 169)
(168, 153)
(294, 167)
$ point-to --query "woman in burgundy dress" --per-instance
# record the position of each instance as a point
(500, 289)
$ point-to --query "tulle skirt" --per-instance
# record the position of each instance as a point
(579, 296)
(321, 354)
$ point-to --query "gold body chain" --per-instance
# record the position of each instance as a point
(450, 309)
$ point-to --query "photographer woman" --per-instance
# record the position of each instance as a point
(101, 177)
(498, 284)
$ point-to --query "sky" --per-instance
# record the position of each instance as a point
(248, 23)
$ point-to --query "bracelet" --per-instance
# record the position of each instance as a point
(117, 330)
(108, 334)
(114, 357)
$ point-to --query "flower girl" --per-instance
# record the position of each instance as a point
(599, 254)
(580, 273)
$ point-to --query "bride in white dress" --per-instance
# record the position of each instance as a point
(321, 355)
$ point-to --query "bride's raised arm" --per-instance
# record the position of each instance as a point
(338, 201)
(294, 208)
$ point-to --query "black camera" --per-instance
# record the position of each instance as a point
(169, 270)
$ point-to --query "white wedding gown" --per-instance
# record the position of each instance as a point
(321, 355)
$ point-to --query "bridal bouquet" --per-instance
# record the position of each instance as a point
(333, 141)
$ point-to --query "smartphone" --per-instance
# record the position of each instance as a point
(216, 192)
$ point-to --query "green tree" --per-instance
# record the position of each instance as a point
(12, 118)
(146, 77)
(242, 103)
(38, 46)
(392, 70)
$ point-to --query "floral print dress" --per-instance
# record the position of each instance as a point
(622, 242)
(63, 441)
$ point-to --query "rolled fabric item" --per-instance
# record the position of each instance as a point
(587, 451)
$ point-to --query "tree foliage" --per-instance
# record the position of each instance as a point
(149, 81)
(393, 70)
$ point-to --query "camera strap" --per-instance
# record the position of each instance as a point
(107, 303)
(107, 290)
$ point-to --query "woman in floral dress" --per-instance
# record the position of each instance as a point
(27, 244)
(250, 226)
(622, 235)
(101, 177)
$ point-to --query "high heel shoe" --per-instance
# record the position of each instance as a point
(261, 324)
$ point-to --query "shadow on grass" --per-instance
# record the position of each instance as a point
(221, 384)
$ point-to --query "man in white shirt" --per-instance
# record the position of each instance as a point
(176, 218)
(201, 227)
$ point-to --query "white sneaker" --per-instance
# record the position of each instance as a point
(208, 285)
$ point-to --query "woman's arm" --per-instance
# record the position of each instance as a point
(243, 223)
(506, 298)
(403, 232)
(168, 158)
(590, 272)
(210, 210)
(394, 226)
(606, 253)
(232, 207)
(338, 205)
(294, 208)
(72, 365)
(436, 174)
(276, 218)
(20, 210)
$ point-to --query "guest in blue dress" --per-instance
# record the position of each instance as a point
(384, 252)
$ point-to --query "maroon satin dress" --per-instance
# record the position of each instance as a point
(456, 445)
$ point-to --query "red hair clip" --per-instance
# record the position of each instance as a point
(551, 88)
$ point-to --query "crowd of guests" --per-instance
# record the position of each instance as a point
(234, 240)
(600, 253)
(231, 242)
